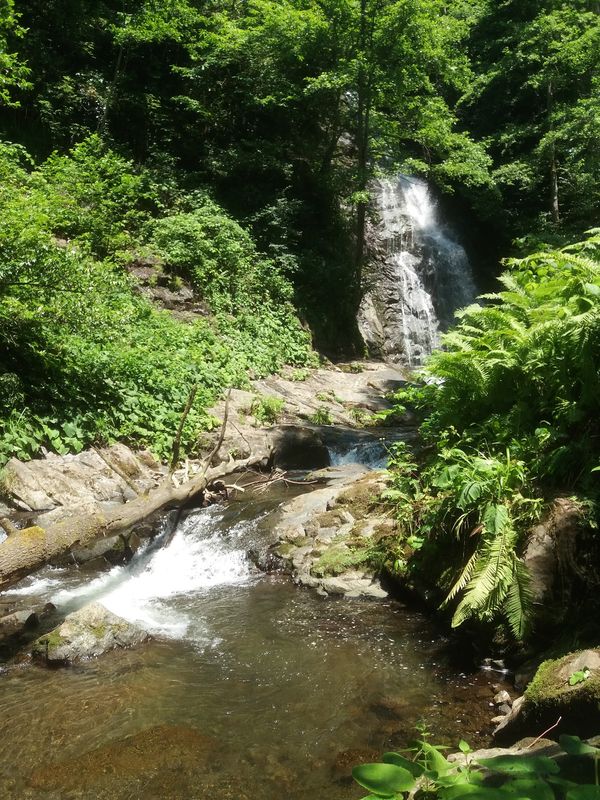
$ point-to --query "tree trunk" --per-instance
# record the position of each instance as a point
(554, 200)
(362, 146)
(31, 548)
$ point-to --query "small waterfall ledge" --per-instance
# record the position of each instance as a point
(418, 274)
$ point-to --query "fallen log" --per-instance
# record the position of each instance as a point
(29, 549)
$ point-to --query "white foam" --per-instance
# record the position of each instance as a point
(196, 560)
(34, 587)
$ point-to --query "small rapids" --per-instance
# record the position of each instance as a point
(373, 454)
(157, 587)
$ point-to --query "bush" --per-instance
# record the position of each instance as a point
(84, 357)
(510, 411)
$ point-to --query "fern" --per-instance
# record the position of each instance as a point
(519, 600)
(492, 574)
(514, 410)
(463, 580)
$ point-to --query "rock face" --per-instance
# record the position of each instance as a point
(561, 557)
(417, 277)
(327, 538)
(568, 688)
(315, 403)
(82, 481)
(89, 632)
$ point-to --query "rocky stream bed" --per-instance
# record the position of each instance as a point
(195, 666)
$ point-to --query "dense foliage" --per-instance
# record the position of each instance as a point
(286, 109)
(425, 771)
(84, 357)
(535, 100)
(511, 414)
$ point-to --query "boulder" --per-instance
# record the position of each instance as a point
(115, 550)
(87, 633)
(567, 688)
(325, 537)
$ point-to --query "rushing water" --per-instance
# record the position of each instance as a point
(252, 688)
(424, 277)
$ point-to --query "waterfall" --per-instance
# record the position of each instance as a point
(418, 278)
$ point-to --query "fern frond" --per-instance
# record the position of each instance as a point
(491, 578)
(519, 600)
(464, 578)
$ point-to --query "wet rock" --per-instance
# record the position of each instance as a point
(507, 721)
(321, 537)
(17, 622)
(89, 632)
(268, 561)
(20, 624)
(502, 698)
(106, 551)
(354, 584)
(525, 747)
(400, 316)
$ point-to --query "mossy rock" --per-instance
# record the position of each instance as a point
(553, 693)
(339, 559)
(285, 550)
(89, 632)
(362, 498)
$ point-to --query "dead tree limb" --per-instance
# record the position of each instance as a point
(219, 442)
(8, 526)
(184, 416)
(31, 548)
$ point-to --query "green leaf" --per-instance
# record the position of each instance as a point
(383, 780)
(395, 758)
(579, 676)
(574, 746)
(496, 518)
(434, 760)
(586, 792)
(521, 765)
(464, 747)
(531, 788)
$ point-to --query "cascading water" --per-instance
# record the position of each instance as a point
(420, 277)
(153, 588)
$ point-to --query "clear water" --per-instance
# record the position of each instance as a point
(252, 688)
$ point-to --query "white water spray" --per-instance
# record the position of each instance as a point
(422, 279)
(155, 588)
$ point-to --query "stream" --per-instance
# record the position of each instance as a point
(251, 688)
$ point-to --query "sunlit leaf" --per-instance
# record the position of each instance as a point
(400, 761)
(383, 780)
